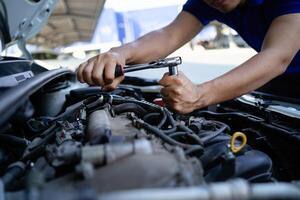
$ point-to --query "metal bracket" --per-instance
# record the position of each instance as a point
(22, 46)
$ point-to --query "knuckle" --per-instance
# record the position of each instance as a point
(166, 74)
(177, 91)
(99, 58)
(107, 56)
(109, 79)
(110, 88)
(113, 87)
(161, 82)
(175, 101)
(178, 81)
(104, 56)
(96, 78)
(86, 71)
(119, 79)
(108, 76)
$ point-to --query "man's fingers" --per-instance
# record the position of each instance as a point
(179, 93)
(166, 80)
(109, 72)
(97, 73)
(79, 72)
(100, 70)
(87, 73)
(170, 104)
(114, 84)
(164, 92)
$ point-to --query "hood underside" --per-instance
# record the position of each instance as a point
(23, 19)
(71, 21)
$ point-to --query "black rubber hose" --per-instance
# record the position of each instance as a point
(146, 105)
(188, 135)
(13, 172)
(164, 137)
(149, 117)
(185, 128)
(170, 118)
(178, 134)
(218, 114)
(194, 150)
(163, 120)
(220, 124)
(14, 141)
(90, 107)
(172, 122)
(212, 134)
(130, 107)
(192, 133)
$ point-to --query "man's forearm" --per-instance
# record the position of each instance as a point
(160, 43)
(152, 46)
(247, 77)
(278, 50)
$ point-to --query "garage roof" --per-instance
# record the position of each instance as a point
(71, 21)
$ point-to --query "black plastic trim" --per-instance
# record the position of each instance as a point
(267, 96)
(13, 98)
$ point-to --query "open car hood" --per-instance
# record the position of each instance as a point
(20, 20)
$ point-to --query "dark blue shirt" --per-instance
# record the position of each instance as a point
(251, 21)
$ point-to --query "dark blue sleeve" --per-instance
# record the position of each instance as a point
(283, 7)
(201, 11)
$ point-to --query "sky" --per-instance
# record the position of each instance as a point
(127, 5)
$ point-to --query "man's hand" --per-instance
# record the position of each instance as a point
(179, 93)
(157, 44)
(100, 70)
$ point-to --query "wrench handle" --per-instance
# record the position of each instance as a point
(119, 71)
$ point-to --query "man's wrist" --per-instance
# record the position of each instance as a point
(123, 51)
(204, 96)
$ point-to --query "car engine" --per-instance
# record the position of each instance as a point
(69, 141)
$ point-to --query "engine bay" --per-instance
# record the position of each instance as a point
(70, 141)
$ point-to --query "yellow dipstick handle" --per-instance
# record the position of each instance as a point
(235, 136)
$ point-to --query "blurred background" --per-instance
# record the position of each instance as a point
(78, 30)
